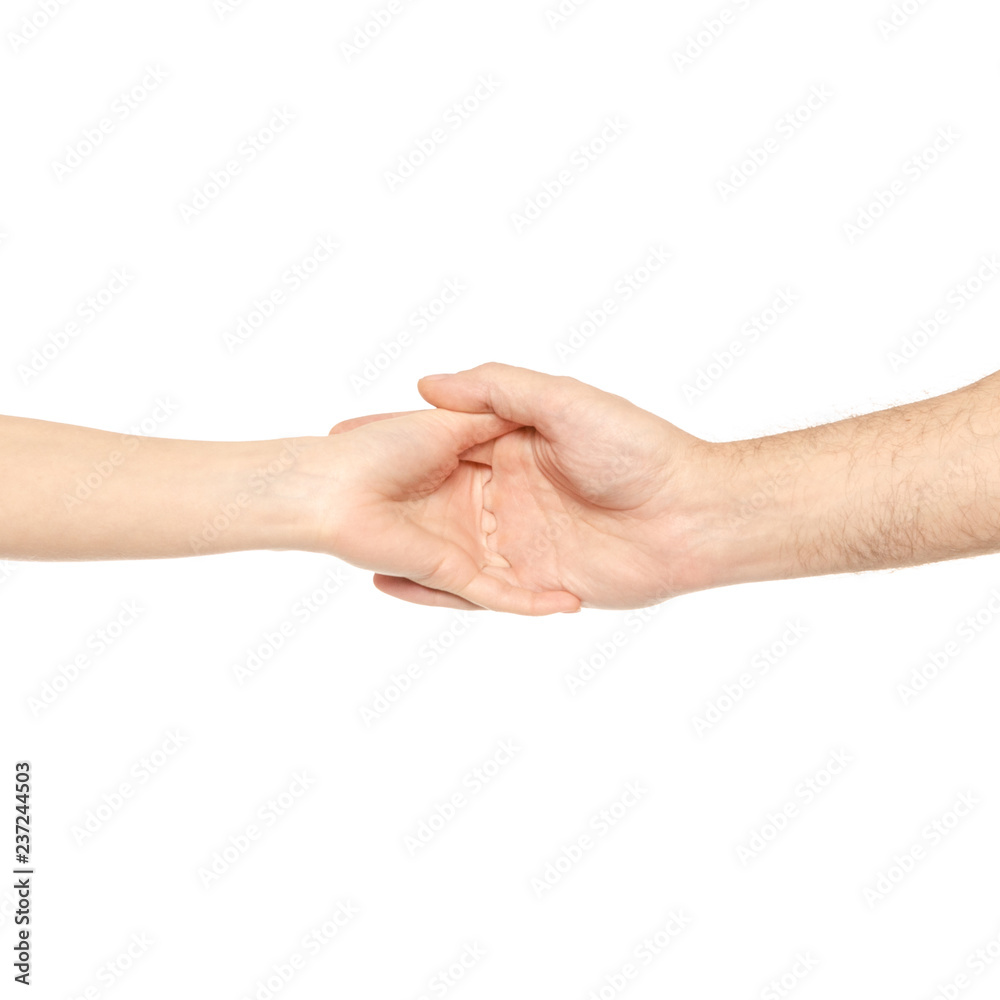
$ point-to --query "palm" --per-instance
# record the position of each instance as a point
(397, 527)
(574, 520)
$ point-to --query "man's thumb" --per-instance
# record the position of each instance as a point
(523, 396)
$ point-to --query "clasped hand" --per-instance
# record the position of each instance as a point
(520, 492)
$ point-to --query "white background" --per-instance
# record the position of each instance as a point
(505, 678)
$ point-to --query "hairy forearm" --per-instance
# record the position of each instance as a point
(70, 492)
(909, 485)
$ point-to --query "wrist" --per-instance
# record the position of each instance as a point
(756, 509)
(265, 495)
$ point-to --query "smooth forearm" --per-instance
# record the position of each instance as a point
(909, 485)
(72, 492)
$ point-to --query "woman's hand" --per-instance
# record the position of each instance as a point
(399, 499)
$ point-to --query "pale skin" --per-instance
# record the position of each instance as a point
(527, 493)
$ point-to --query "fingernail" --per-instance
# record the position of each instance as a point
(434, 378)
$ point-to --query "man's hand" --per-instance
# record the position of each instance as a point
(597, 497)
